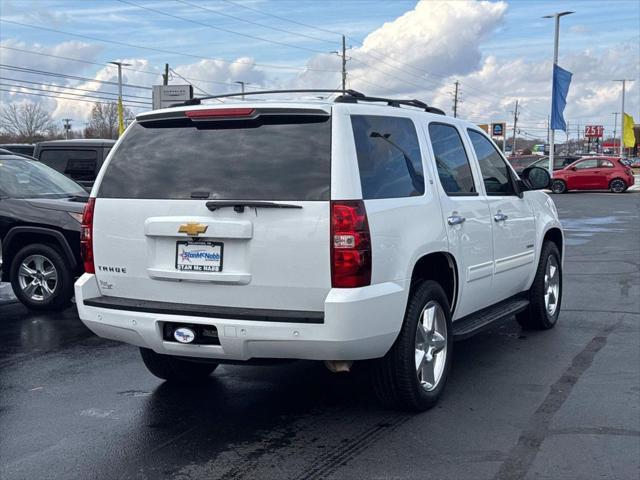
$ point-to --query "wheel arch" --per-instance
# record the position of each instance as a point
(442, 268)
(19, 237)
(554, 234)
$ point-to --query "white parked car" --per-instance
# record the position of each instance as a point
(335, 231)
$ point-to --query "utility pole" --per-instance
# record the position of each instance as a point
(67, 127)
(566, 143)
(120, 109)
(165, 75)
(242, 84)
(615, 131)
(622, 150)
(515, 124)
(344, 65)
(343, 56)
(548, 130)
(455, 100)
(552, 138)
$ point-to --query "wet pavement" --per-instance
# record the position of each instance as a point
(558, 404)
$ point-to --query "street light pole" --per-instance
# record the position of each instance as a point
(242, 84)
(120, 108)
(556, 16)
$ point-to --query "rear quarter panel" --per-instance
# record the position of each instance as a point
(546, 218)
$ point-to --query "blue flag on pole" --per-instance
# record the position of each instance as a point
(561, 82)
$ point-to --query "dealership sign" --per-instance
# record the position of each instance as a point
(497, 129)
(164, 96)
(593, 131)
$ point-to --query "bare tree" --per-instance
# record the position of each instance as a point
(103, 122)
(27, 122)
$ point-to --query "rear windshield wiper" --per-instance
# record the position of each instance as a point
(239, 206)
(78, 198)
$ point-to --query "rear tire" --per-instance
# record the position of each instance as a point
(545, 294)
(426, 339)
(617, 185)
(41, 277)
(174, 369)
(558, 186)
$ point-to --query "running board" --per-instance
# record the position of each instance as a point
(488, 317)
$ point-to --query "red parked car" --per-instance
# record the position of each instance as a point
(593, 173)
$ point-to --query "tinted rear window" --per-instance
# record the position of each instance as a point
(389, 156)
(271, 158)
(77, 164)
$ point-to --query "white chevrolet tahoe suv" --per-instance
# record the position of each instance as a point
(346, 230)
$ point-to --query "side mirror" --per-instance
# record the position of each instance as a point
(573, 168)
(536, 178)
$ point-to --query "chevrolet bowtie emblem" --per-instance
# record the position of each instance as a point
(192, 229)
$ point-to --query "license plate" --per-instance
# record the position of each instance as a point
(199, 256)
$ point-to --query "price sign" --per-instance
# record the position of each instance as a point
(593, 131)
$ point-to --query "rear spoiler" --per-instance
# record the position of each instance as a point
(228, 113)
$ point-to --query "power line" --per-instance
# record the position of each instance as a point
(169, 52)
(382, 58)
(194, 86)
(148, 72)
(69, 87)
(62, 75)
(70, 93)
(59, 97)
(281, 18)
(254, 23)
(196, 22)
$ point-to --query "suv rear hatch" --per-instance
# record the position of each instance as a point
(218, 207)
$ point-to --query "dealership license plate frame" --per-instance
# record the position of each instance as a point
(206, 243)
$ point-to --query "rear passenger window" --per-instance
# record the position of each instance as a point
(451, 160)
(605, 164)
(76, 164)
(495, 173)
(389, 156)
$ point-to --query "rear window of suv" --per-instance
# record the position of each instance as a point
(275, 157)
(389, 156)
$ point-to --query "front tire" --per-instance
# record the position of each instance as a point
(558, 186)
(174, 369)
(617, 185)
(545, 294)
(41, 278)
(412, 375)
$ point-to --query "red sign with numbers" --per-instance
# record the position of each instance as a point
(593, 131)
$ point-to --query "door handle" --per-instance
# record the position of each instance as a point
(455, 220)
(500, 217)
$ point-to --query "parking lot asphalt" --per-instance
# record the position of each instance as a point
(563, 403)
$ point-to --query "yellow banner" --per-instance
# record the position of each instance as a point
(628, 136)
(121, 119)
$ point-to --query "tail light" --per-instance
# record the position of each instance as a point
(86, 236)
(350, 245)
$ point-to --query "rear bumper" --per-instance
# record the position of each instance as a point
(359, 323)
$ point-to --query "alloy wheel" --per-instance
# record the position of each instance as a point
(431, 346)
(551, 285)
(558, 187)
(618, 186)
(37, 277)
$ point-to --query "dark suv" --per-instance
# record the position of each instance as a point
(79, 159)
(40, 214)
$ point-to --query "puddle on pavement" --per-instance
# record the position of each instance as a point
(579, 230)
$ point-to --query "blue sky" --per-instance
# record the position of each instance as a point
(494, 51)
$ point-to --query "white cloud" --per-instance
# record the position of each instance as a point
(418, 55)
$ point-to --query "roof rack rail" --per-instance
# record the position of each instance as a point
(197, 100)
(347, 96)
(392, 102)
